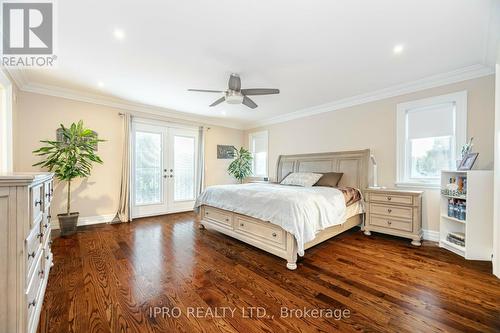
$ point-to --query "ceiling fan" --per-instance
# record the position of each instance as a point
(235, 95)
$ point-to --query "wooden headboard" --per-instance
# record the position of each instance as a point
(354, 164)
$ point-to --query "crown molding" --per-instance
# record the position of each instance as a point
(462, 74)
(134, 108)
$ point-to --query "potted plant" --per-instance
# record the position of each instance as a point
(241, 167)
(69, 157)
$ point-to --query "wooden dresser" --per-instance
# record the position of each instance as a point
(25, 256)
(394, 212)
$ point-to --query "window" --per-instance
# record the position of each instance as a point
(430, 133)
(258, 143)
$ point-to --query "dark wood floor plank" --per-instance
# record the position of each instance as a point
(109, 278)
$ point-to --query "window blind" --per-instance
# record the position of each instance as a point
(435, 121)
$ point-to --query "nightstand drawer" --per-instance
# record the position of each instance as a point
(393, 199)
(392, 211)
(387, 222)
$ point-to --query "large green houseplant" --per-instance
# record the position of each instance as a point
(69, 157)
(241, 166)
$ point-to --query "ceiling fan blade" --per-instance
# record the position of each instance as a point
(259, 91)
(234, 82)
(248, 102)
(220, 100)
(203, 90)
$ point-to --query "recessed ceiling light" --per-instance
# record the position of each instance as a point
(100, 84)
(119, 34)
(398, 49)
(223, 113)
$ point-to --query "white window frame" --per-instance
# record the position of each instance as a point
(460, 100)
(250, 146)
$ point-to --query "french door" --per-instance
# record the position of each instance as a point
(164, 168)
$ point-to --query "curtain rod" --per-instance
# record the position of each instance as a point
(163, 118)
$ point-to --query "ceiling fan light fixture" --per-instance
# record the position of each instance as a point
(234, 97)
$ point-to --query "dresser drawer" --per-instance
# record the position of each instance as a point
(36, 202)
(218, 216)
(33, 245)
(394, 199)
(48, 191)
(46, 236)
(392, 211)
(33, 290)
(387, 222)
(261, 230)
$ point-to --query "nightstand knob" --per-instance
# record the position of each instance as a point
(274, 234)
(227, 220)
(389, 222)
(389, 210)
(389, 198)
(242, 225)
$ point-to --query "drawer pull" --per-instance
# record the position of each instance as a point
(227, 220)
(38, 202)
(242, 224)
(40, 272)
(274, 234)
(47, 257)
(50, 243)
(40, 235)
(32, 303)
(46, 225)
(206, 213)
(389, 210)
(47, 195)
(51, 191)
(32, 254)
(389, 222)
(389, 198)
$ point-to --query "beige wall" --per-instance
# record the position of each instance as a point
(215, 169)
(373, 125)
(38, 117)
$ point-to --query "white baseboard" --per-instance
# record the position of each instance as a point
(431, 235)
(88, 220)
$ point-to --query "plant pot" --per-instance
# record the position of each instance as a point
(68, 223)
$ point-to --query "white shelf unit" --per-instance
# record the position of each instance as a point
(478, 225)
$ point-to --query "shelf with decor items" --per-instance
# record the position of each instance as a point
(466, 225)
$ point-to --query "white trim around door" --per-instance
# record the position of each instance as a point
(164, 168)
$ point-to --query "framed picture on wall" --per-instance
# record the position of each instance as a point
(60, 137)
(225, 152)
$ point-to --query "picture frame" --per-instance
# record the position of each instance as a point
(225, 152)
(468, 161)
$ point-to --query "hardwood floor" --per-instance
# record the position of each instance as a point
(108, 279)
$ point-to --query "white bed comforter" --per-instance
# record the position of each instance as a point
(302, 211)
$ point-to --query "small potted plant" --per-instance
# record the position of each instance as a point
(241, 167)
(69, 157)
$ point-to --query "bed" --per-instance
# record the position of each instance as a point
(279, 237)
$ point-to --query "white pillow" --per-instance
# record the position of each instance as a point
(305, 179)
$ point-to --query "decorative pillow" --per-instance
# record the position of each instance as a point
(304, 179)
(330, 179)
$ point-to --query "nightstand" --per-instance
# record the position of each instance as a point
(394, 212)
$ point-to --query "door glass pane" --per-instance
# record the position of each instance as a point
(184, 168)
(148, 165)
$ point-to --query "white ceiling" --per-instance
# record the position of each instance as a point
(314, 51)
